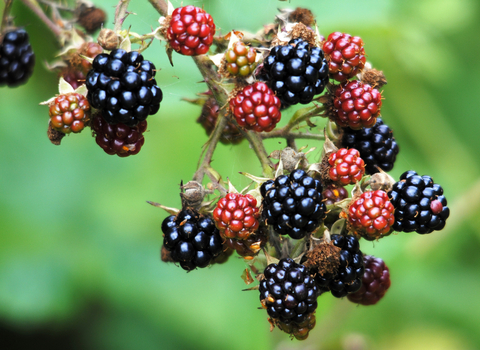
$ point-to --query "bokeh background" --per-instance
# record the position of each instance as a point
(79, 245)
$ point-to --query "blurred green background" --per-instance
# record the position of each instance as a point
(79, 245)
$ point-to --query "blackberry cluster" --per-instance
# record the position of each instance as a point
(122, 85)
(296, 72)
(348, 278)
(16, 58)
(376, 145)
(288, 292)
(419, 204)
(192, 239)
(293, 204)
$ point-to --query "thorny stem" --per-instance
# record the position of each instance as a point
(6, 12)
(160, 5)
(40, 14)
(280, 133)
(120, 14)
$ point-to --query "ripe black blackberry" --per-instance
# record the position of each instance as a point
(122, 85)
(349, 273)
(16, 58)
(192, 239)
(419, 204)
(293, 204)
(295, 72)
(288, 292)
(376, 145)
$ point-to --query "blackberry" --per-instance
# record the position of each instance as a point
(420, 204)
(296, 72)
(288, 292)
(16, 58)
(118, 139)
(122, 85)
(375, 282)
(333, 194)
(376, 145)
(348, 275)
(293, 204)
(192, 239)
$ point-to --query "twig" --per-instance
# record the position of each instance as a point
(160, 5)
(5, 16)
(43, 17)
(120, 14)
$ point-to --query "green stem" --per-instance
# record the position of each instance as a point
(291, 135)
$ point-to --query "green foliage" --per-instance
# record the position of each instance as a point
(79, 246)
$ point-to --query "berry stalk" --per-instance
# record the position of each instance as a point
(120, 14)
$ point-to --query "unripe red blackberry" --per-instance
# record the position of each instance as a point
(293, 204)
(346, 277)
(356, 105)
(377, 146)
(298, 330)
(208, 119)
(118, 139)
(190, 31)
(288, 292)
(375, 282)
(420, 204)
(333, 194)
(69, 113)
(296, 72)
(192, 239)
(240, 59)
(78, 67)
(122, 85)
(346, 166)
(16, 58)
(371, 216)
(236, 216)
(256, 108)
(345, 55)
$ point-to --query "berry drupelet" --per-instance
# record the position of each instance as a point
(240, 60)
(345, 55)
(296, 72)
(420, 204)
(236, 216)
(293, 204)
(256, 108)
(371, 216)
(190, 31)
(192, 239)
(288, 292)
(346, 166)
(356, 105)
(118, 139)
(69, 113)
(16, 58)
(376, 145)
(122, 85)
(348, 275)
(375, 282)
